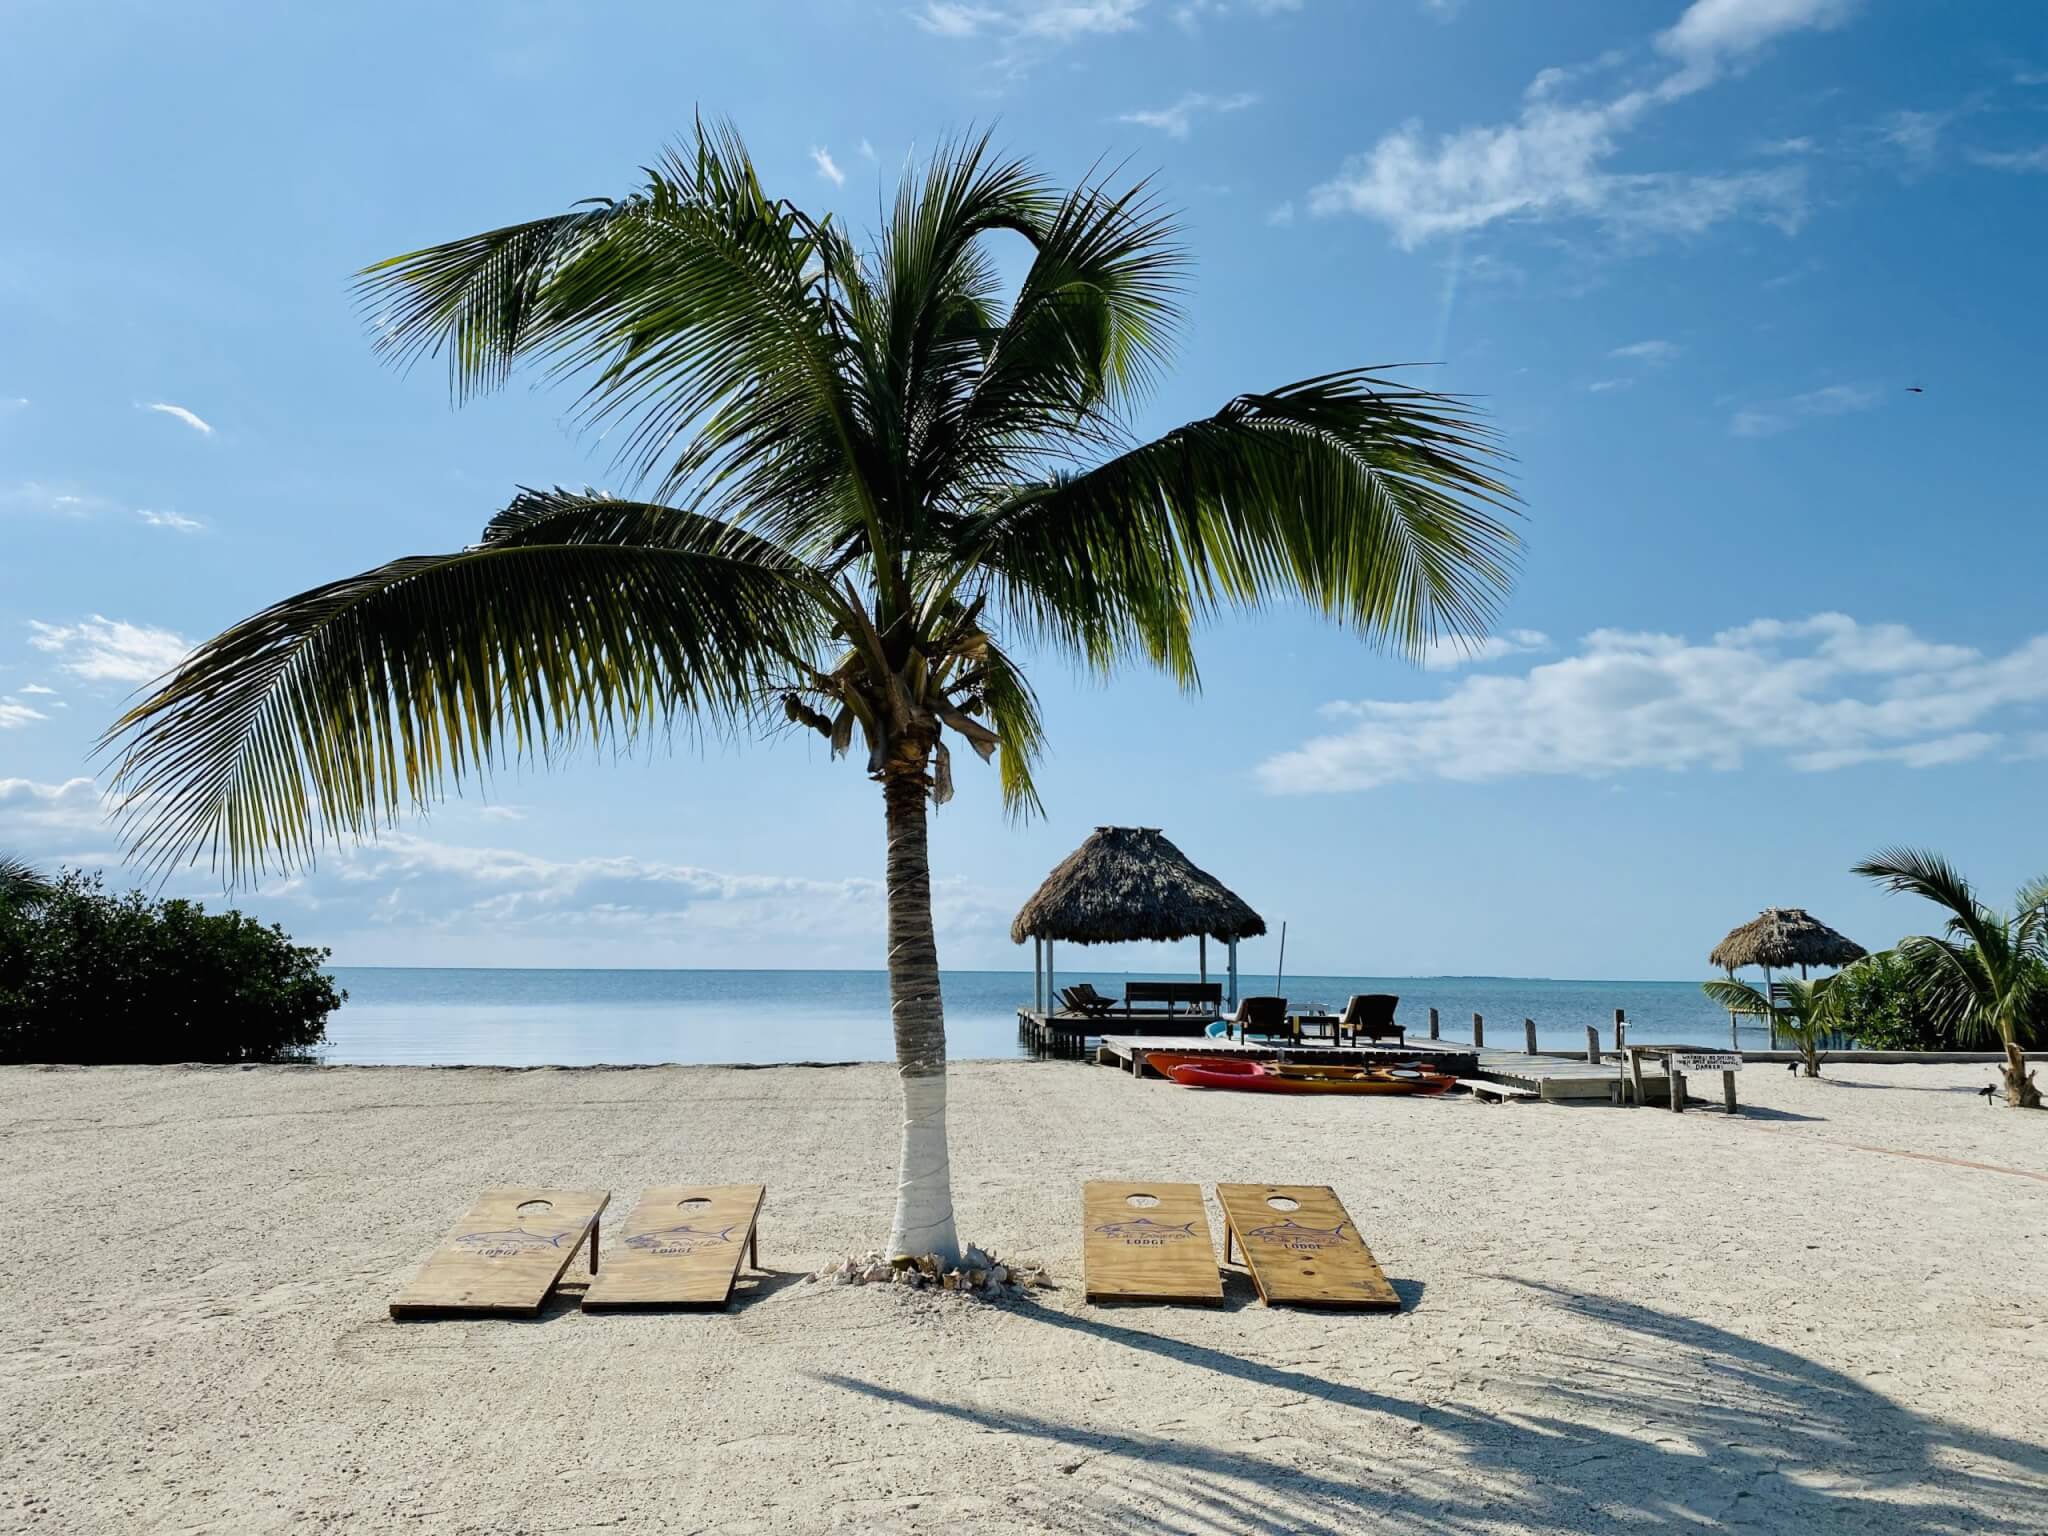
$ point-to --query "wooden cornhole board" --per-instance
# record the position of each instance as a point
(1308, 1257)
(681, 1247)
(1147, 1252)
(506, 1255)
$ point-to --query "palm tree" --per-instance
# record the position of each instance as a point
(1806, 1011)
(22, 881)
(1986, 977)
(870, 477)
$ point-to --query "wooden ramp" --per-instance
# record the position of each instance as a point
(506, 1255)
(1147, 1242)
(1304, 1254)
(681, 1247)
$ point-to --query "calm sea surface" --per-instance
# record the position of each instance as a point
(582, 1018)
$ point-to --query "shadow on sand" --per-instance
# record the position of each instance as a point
(1674, 1425)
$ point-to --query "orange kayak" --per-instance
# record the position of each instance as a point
(1269, 1077)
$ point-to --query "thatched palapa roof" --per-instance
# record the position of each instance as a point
(1128, 883)
(1782, 937)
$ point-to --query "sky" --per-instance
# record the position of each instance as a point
(1751, 288)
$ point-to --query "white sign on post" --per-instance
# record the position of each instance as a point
(1690, 1062)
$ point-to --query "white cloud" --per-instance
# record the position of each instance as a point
(177, 522)
(37, 496)
(103, 650)
(1053, 20)
(1712, 34)
(1655, 350)
(1176, 120)
(1812, 694)
(14, 403)
(1603, 386)
(955, 20)
(68, 808)
(1448, 655)
(1281, 216)
(14, 714)
(827, 166)
(179, 413)
(1915, 136)
(1553, 161)
(867, 151)
(1773, 417)
(503, 812)
(2012, 160)
(38, 688)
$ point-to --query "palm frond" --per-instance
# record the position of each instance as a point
(1376, 504)
(1092, 325)
(21, 881)
(325, 714)
(1738, 997)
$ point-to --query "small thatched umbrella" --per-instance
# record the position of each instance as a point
(1129, 883)
(1779, 938)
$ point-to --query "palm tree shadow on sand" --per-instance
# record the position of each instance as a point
(1673, 1425)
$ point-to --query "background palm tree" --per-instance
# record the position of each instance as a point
(1986, 976)
(869, 476)
(22, 881)
(1805, 1010)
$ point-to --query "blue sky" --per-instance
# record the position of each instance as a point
(1775, 611)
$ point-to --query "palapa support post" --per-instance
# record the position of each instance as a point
(1233, 975)
(1433, 1025)
(1529, 1034)
(1593, 1043)
(1051, 996)
(1038, 975)
(1478, 1031)
(1203, 944)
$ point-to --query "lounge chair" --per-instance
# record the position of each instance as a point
(1258, 1016)
(1371, 1014)
(1083, 999)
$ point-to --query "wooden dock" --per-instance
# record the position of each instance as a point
(1068, 1034)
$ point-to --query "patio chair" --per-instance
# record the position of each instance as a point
(1083, 999)
(1371, 1014)
(1258, 1016)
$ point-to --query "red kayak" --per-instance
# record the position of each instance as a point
(1267, 1077)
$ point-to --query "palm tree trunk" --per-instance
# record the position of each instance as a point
(924, 1185)
(2020, 1092)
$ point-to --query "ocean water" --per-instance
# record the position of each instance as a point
(587, 1017)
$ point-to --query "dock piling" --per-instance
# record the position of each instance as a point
(1478, 1031)
(1529, 1034)
(1593, 1043)
(1432, 1024)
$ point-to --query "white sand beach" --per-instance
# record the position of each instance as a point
(1816, 1317)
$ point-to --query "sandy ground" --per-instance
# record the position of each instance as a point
(1617, 1320)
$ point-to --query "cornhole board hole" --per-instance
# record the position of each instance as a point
(506, 1255)
(1147, 1242)
(681, 1247)
(1300, 1245)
